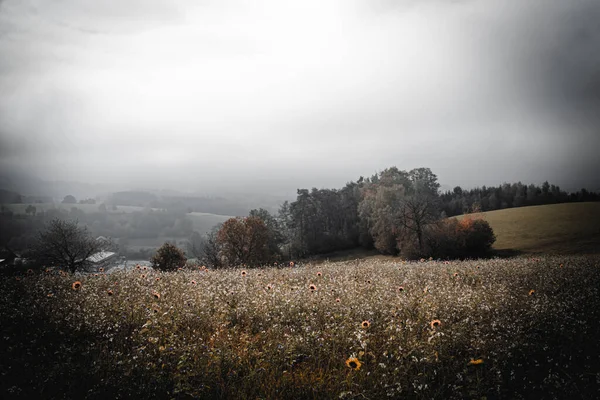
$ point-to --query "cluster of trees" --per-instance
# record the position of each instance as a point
(396, 212)
(70, 199)
(252, 240)
(460, 201)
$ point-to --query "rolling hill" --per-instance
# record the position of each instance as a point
(556, 228)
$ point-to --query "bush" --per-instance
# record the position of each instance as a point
(168, 258)
(452, 238)
(479, 237)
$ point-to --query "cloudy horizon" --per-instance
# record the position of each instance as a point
(277, 95)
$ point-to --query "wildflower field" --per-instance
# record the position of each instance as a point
(501, 328)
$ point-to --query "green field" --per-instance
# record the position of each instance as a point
(569, 228)
(203, 222)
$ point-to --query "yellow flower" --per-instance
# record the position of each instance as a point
(435, 323)
(353, 363)
(365, 324)
(531, 292)
(476, 362)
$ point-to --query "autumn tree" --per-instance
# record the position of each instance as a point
(66, 245)
(244, 241)
(168, 258)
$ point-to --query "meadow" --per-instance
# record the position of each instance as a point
(514, 328)
(569, 228)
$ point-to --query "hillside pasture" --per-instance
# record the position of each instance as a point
(569, 228)
(516, 328)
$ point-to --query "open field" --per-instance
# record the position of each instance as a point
(569, 228)
(516, 328)
(204, 222)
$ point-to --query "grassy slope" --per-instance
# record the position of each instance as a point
(556, 228)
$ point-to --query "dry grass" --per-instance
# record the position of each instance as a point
(571, 228)
(268, 335)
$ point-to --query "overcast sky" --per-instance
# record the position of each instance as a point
(189, 94)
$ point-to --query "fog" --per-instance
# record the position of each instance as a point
(272, 96)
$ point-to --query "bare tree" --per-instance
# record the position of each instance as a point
(195, 245)
(211, 250)
(421, 205)
(65, 244)
(416, 212)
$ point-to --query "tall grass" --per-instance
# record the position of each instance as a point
(517, 328)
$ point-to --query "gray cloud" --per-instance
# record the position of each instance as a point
(282, 95)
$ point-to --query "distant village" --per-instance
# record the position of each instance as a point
(106, 260)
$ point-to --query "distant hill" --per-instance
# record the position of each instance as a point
(556, 228)
(10, 197)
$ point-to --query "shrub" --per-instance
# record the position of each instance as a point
(452, 238)
(168, 258)
(478, 237)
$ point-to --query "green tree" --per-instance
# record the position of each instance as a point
(168, 258)
(69, 199)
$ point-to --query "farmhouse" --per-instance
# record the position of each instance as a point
(102, 259)
(7, 257)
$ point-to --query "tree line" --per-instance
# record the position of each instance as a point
(488, 198)
(396, 212)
